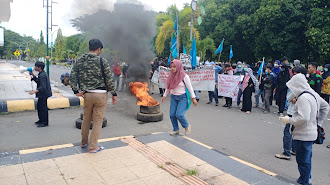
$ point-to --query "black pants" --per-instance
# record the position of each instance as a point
(247, 99)
(229, 101)
(281, 99)
(325, 97)
(42, 110)
(271, 98)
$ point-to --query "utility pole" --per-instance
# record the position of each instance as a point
(47, 57)
(47, 29)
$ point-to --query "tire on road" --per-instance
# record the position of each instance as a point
(149, 117)
(79, 122)
(150, 110)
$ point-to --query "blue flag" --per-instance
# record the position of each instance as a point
(193, 53)
(231, 54)
(184, 50)
(175, 53)
(169, 60)
(220, 48)
(261, 68)
(174, 42)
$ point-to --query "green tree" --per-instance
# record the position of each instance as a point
(42, 39)
(73, 43)
(42, 51)
(165, 31)
(59, 45)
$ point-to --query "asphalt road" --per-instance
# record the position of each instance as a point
(55, 71)
(255, 138)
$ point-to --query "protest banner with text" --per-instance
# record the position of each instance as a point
(201, 79)
(228, 86)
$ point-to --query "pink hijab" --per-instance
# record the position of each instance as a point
(174, 79)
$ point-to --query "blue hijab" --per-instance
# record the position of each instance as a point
(275, 70)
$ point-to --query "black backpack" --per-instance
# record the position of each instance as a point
(320, 131)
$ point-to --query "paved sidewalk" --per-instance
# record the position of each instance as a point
(15, 88)
(154, 159)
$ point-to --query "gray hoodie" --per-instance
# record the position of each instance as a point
(305, 117)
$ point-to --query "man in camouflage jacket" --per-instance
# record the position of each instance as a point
(91, 82)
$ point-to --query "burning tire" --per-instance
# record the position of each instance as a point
(149, 109)
(79, 122)
(150, 117)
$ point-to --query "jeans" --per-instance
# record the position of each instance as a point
(178, 107)
(197, 95)
(116, 79)
(42, 109)
(287, 140)
(239, 95)
(214, 94)
(260, 92)
(286, 101)
(304, 160)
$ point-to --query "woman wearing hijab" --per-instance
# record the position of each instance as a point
(326, 83)
(239, 70)
(177, 83)
(249, 84)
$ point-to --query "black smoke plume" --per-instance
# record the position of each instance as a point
(128, 30)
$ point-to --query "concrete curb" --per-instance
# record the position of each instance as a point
(31, 104)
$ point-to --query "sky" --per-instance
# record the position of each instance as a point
(28, 17)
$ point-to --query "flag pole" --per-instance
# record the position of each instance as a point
(219, 56)
(263, 60)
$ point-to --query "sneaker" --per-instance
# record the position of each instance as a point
(266, 111)
(175, 133)
(292, 152)
(197, 100)
(281, 156)
(226, 105)
(229, 106)
(281, 114)
(188, 129)
(217, 104)
(255, 106)
(209, 102)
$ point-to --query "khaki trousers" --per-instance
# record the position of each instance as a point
(94, 109)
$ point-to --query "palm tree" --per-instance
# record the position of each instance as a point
(165, 23)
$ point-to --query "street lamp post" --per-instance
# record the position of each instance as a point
(193, 8)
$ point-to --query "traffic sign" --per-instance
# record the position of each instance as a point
(17, 53)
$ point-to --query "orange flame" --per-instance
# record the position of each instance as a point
(140, 90)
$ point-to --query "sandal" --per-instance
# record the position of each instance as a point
(100, 148)
(84, 146)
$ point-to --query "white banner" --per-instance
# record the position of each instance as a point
(201, 79)
(155, 77)
(228, 85)
(185, 59)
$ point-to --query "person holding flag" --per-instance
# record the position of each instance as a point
(261, 85)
